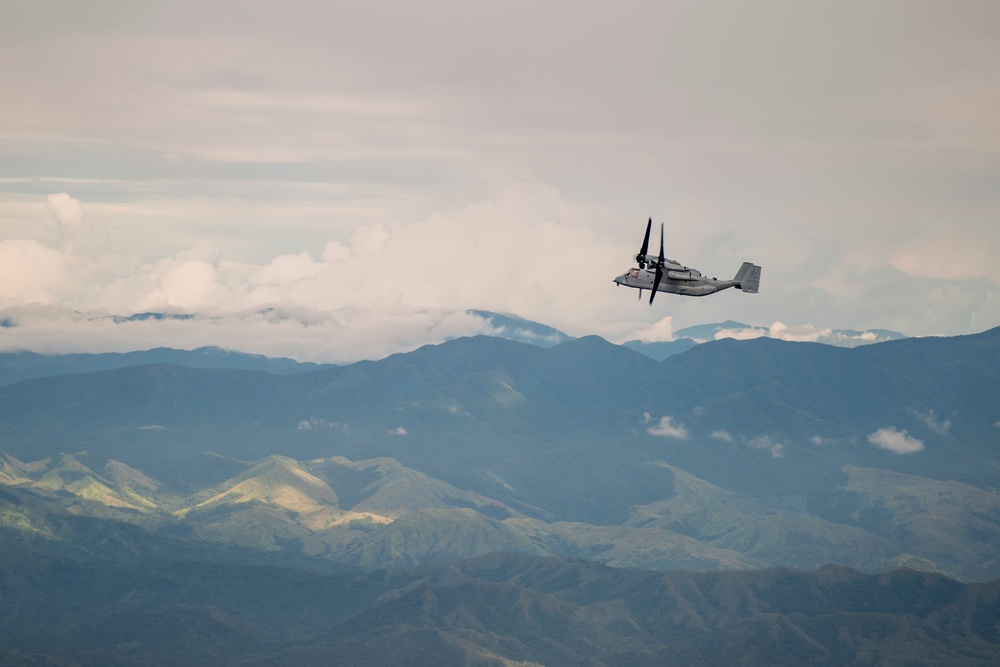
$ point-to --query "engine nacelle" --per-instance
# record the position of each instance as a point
(690, 274)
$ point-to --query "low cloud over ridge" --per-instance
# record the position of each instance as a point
(386, 289)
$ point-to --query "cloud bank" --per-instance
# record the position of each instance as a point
(806, 334)
(386, 288)
(383, 290)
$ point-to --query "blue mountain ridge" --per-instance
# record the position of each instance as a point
(16, 366)
(764, 449)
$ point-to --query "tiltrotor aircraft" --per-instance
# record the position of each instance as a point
(657, 273)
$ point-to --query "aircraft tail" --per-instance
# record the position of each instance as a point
(748, 277)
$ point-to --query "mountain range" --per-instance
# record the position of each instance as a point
(496, 502)
(17, 366)
(500, 610)
(735, 454)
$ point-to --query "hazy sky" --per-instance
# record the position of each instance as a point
(334, 180)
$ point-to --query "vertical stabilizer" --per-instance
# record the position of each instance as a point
(748, 277)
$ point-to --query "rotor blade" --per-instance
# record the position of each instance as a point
(659, 268)
(656, 283)
(662, 259)
(641, 257)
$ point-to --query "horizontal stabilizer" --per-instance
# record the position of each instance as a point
(748, 277)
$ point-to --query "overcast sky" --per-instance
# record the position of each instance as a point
(334, 180)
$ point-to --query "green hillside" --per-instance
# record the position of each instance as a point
(379, 513)
(495, 610)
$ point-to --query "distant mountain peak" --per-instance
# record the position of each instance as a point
(513, 327)
(144, 317)
(702, 333)
(587, 343)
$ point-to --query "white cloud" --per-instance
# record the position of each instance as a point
(666, 428)
(800, 334)
(767, 443)
(817, 440)
(528, 335)
(496, 254)
(314, 422)
(30, 272)
(805, 333)
(741, 334)
(67, 211)
(192, 285)
(895, 440)
(930, 418)
(763, 442)
(340, 336)
(399, 430)
(661, 331)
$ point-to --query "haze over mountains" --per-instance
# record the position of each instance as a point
(733, 455)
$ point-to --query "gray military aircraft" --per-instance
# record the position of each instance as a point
(657, 273)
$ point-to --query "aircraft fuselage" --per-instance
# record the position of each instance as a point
(677, 279)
